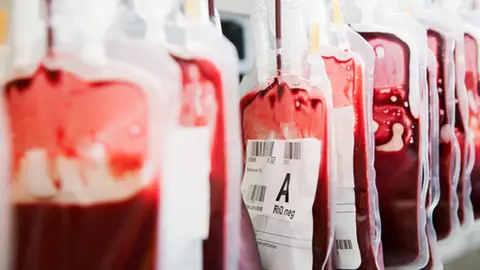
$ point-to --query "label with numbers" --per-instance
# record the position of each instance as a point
(279, 188)
(348, 251)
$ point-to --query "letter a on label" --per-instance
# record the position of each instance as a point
(284, 190)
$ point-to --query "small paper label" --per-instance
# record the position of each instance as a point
(279, 188)
(186, 187)
(348, 251)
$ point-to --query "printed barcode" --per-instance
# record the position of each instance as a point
(344, 244)
(293, 150)
(257, 193)
(261, 149)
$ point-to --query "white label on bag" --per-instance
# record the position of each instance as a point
(186, 187)
(279, 188)
(185, 190)
(348, 251)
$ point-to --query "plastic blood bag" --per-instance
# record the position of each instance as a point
(286, 185)
(203, 107)
(64, 173)
(464, 136)
(288, 121)
(399, 122)
(441, 41)
(346, 80)
(433, 195)
(445, 218)
(208, 63)
(82, 160)
(352, 111)
(367, 196)
(472, 77)
(397, 140)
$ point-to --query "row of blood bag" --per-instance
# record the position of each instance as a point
(361, 136)
(120, 127)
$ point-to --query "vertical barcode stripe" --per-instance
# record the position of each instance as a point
(293, 150)
(257, 193)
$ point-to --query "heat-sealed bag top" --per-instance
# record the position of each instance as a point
(87, 146)
(285, 120)
(472, 81)
(357, 229)
(401, 126)
(441, 41)
(209, 67)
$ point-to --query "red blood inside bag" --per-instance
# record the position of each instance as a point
(443, 215)
(434, 170)
(473, 88)
(281, 112)
(79, 149)
(460, 130)
(203, 106)
(398, 168)
(346, 79)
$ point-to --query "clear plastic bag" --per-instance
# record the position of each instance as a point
(472, 41)
(357, 218)
(207, 58)
(399, 104)
(372, 258)
(286, 133)
(87, 150)
(462, 131)
(433, 196)
(441, 42)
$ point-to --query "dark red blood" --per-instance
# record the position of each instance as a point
(473, 87)
(266, 113)
(398, 173)
(211, 101)
(443, 215)
(346, 79)
(60, 112)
